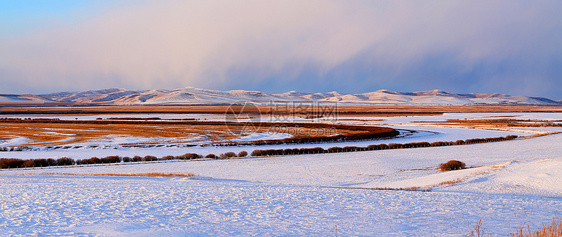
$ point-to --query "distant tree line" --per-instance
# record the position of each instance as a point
(7, 163)
(319, 150)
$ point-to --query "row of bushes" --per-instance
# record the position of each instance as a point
(27, 148)
(18, 163)
(318, 150)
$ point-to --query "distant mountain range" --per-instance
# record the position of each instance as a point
(190, 95)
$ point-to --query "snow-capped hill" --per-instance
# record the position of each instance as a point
(192, 95)
(386, 97)
(5, 98)
(315, 96)
(82, 97)
(294, 94)
(435, 93)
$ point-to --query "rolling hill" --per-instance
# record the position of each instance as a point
(191, 95)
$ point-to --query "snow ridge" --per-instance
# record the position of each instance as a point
(191, 95)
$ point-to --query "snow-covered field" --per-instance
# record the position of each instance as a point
(513, 183)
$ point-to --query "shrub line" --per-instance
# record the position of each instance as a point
(6, 163)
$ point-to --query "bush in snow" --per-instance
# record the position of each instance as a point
(189, 156)
(65, 161)
(41, 162)
(257, 153)
(150, 158)
(452, 165)
(168, 158)
(111, 159)
(228, 155)
(52, 162)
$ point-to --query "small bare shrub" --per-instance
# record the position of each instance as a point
(452, 165)
(168, 158)
(243, 154)
(41, 162)
(111, 159)
(28, 163)
(212, 156)
(65, 161)
(52, 162)
(554, 229)
(189, 156)
(478, 230)
(11, 163)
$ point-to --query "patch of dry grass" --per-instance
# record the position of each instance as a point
(504, 122)
(57, 132)
(452, 165)
(153, 174)
(65, 133)
(554, 229)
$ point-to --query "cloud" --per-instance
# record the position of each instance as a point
(304, 45)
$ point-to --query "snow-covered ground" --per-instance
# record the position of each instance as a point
(15, 141)
(513, 182)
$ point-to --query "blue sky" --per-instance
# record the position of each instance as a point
(510, 47)
(20, 17)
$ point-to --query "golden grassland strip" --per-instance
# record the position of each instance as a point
(53, 133)
(63, 132)
(153, 174)
(503, 122)
(421, 169)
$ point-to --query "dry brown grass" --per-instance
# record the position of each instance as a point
(452, 165)
(48, 134)
(478, 231)
(554, 229)
(64, 133)
(154, 174)
(503, 122)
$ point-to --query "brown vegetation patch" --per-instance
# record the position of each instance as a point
(452, 165)
(553, 229)
(60, 132)
(504, 122)
(154, 174)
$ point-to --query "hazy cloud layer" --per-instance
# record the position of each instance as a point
(350, 46)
